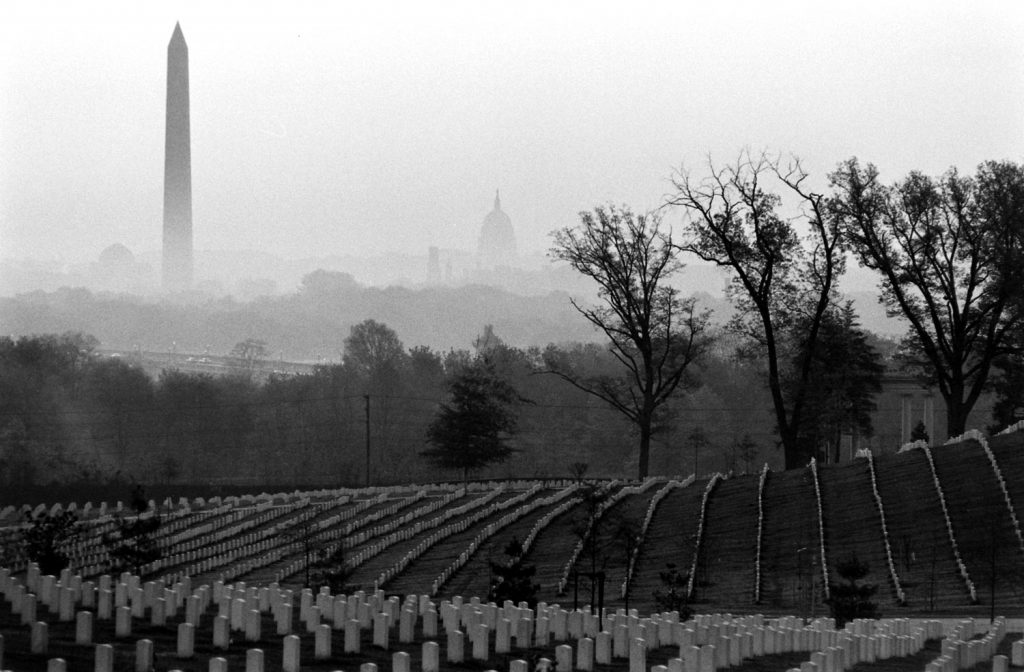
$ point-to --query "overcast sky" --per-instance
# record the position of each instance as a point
(381, 126)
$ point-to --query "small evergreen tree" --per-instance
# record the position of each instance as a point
(673, 597)
(473, 430)
(133, 544)
(331, 569)
(851, 599)
(43, 538)
(919, 432)
(512, 579)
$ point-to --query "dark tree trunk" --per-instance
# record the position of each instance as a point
(645, 448)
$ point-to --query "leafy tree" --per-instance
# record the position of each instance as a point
(250, 353)
(44, 537)
(376, 358)
(1008, 379)
(779, 280)
(132, 544)
(653, 332)
(473, 430)
(373, 349)
(512, 578)
(851, 599)
(950, 253)
(846, 376)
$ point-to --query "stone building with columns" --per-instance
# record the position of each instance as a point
(903, 402)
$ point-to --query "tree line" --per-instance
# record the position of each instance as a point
(69, 415)
(948, 252)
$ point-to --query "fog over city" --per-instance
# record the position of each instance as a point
(386, 127)
(699, 308)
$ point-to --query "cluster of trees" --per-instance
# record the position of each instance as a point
(949, 253)
(68, 414)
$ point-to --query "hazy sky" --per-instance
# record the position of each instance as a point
(381, 126)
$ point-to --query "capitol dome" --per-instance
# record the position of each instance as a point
(116, 256)
(497, 243)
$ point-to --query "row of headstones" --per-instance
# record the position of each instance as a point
(961, 650)
(240, 608)
(652, 507)
(569, 500)
(868, 641)
(89, 552)
(395, 531)
(621, 494)
(521, 511)
(257, 549)
(401, 661)
(477, 511)
(732, 643)
(13, 513)
(602, 506)
(727, 652)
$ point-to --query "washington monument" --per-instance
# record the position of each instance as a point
(177, 261)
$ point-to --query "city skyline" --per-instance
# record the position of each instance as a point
(376, 131)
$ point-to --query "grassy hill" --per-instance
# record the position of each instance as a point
(406, 538)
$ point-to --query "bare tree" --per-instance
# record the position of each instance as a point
(951, 257)
(653, 332)
(778, 279)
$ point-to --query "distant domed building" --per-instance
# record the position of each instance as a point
(497, 243)
(116, 256)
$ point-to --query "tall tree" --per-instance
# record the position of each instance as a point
(778, 278)
(653, 332)
(376, 357)
(949, 252)
(474, 430)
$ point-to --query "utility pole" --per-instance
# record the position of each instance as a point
(366, 399)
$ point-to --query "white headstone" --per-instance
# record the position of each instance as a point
(143, 655)
(254, 660)
(322, 645)
(83, 627)
(104, 658)
(291, 661)
(186, 640)
(431, 657)
(455, 646)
